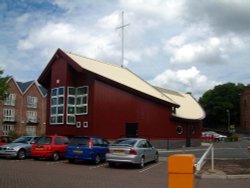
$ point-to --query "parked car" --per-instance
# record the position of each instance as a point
(212, 136)
(6, 139)
(131, 150)
(87, 148)
(19, 148)
(53, 147)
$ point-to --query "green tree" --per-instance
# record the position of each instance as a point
(220, 103)
(3, 86)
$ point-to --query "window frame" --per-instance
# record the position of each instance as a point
(10, 100)
(32, 116)
(32, 101)
(57, 100)
(9, 114)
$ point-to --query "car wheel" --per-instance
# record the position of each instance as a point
(71, 160)
(55, 156)
(97, 159)
(21, 154)
(142, 163)
(112, 164)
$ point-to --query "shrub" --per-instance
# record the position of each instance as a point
(233, 137)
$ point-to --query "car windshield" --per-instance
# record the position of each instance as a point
(125, 142)
(23, 139)
(79, 141)
(44, 140)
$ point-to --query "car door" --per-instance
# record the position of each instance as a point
(150, 151)
(100, 146)
(59, 145)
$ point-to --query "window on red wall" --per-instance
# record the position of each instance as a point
(77, 103)
(57, 106)
(179, 129)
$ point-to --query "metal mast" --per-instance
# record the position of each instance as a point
(122, 38)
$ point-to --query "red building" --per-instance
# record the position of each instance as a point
(88, 97)
(245, 109)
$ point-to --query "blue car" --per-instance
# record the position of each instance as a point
(87, 148)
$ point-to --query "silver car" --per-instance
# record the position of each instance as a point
(131, 150)
(19, 148)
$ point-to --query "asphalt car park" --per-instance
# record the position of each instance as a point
(30, 173)
(46, 173)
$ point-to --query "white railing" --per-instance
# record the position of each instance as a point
(202, 160)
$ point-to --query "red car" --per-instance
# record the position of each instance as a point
(6, 139)
(52, 147)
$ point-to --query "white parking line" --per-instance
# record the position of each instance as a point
(150, 167)
(91, 168)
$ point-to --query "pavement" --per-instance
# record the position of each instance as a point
(226, 169)
(232, 160)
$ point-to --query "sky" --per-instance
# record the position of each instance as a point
(181, 45)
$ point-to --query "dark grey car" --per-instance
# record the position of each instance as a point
(132, 150)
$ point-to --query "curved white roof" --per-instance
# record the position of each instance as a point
(189, 107)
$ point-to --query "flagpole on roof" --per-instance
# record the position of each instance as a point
(122, 37)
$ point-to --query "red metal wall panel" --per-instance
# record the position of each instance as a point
(113, 108)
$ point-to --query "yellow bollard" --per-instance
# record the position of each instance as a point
(181, 171)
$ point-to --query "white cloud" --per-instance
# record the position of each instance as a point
(166, 10)
(187, 49)
(185, 80)
(111, 21)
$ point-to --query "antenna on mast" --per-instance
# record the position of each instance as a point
(122, 38)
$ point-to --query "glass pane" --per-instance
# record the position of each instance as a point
(85, 100)
(61, 91)
(79, 110)
(60, 100)
(54, 92)
(53, 101)
(85, 109)
(53, 110)
(81, 90)
(59, 119)
(71, 119)
(60, 110)
(71, 100)
(79, 100)
(71, 110)
(72, 91)
(53, 119)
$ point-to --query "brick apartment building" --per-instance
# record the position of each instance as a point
(24, 110)
(245, 109)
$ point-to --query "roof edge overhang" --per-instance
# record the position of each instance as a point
(187, 119)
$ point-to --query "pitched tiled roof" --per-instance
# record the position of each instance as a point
(24, 85)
